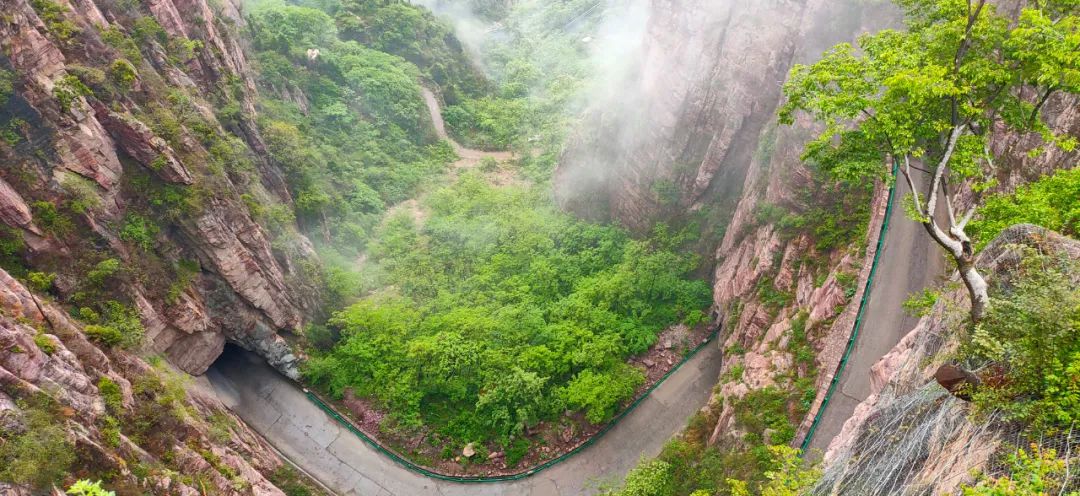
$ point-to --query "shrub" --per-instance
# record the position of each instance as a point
(54, 17)
(83, 192)
(920, 304)
(123, 74)
(84, 487)
(1052, 202)
(139, 231)
(649, 478)
(68, 90)
(45, 343)
(117, 324)
(40, 281)
(117, 39)
(1037, 473)
(107, 335)
(41, 454)
(1033, 329)
(7, 85)
(601, 394)
(103, 272)
(51, 219)
(112, 395)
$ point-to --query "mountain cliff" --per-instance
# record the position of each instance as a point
(114, 128)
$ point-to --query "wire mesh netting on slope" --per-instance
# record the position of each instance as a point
(925, 443)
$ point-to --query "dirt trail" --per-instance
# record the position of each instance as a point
(468, 156)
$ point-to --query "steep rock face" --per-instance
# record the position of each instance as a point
(682, 131)
(249, 285)
(698, 133)
(932, 445)
(231, 459)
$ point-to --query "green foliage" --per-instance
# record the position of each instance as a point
(123, 74)
(837, 211)
(116, 325)
(1053, 202)
(45, 343)
(84, 487)
(1033, 328)
(364, 142)
(68, 90)
(54, 16)
(291, 482)
(790, 478)
(488, 123)
(111, 394)
(51, 219)
(773, 298)
(82, 192)
(506, 313)
(920, 304)
(146, 30)
(12, 248)
(649, 478)
(600, 395)
(414, 34)
(40, 281)
(850, 282)
(139, 231)
(119, 40)
(7, 85)
(103, 272)
(39, 453)
(1037, 473)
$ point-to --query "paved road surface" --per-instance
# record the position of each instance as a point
(276, 408)
(910, 261)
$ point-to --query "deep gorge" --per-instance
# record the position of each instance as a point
(606, 184)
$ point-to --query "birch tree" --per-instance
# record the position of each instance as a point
(925, 101)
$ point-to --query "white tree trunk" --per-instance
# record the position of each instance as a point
(977, 288)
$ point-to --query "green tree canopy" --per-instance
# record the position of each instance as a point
(928, 98)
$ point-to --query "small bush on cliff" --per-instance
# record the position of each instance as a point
(54, 16)
(68, 90)
(123, 74)
(84, 487)
(38, 451)
(116, 325)
(139, 231)
(7, 85)
(51, 219)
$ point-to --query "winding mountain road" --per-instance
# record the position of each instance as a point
(278, 409)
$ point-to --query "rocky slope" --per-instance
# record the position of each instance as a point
(96, 150)
(121, 418)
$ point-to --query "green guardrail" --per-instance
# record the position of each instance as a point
(407, 464)
(858, 317)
